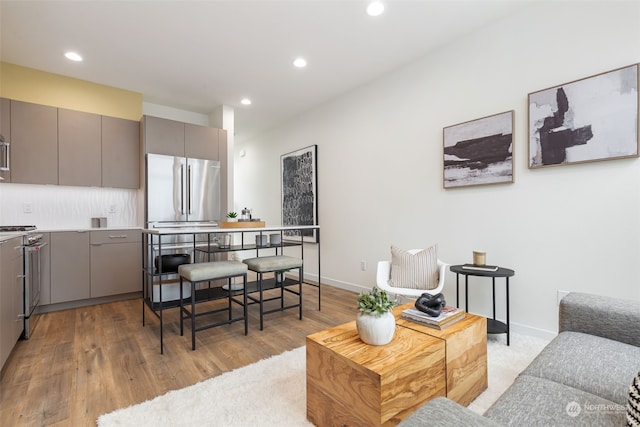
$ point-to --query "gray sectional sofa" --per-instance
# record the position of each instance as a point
(581, 378)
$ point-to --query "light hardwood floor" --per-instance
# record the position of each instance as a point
(88, 361)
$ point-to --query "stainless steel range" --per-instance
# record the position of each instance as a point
(31, 245)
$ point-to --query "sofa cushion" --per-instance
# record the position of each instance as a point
(414, 271)
(532, 401)
(596, 365)
(442, 412)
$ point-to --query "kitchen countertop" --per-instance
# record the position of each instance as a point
(206, 230)
(13, 234)
(56, 230)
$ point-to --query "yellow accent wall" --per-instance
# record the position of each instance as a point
(39, 87)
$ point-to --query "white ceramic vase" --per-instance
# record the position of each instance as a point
(376, 330)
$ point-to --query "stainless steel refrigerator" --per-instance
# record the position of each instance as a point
(182, 191)
(179, 192)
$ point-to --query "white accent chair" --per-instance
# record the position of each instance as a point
(384, 275)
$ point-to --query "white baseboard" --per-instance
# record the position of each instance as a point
(515, 327)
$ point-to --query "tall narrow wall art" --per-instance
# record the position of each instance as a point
(479, 151)
(299, 179)
(587, 120)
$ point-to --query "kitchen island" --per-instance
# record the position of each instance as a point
(164, 248)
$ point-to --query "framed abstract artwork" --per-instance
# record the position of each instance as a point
(299, 179)
(479, 152)
(587, 120)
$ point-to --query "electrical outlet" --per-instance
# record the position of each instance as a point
(561, 294)
(363, 265)
(27, 208)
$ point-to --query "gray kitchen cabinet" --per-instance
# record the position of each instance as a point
(45, 269)
(34, 143)
(116, 261)
(163, 136)
(120, 153)
(11, 296)
(5, 131)
(70, 268)
(79, 148)
(201, 142)
(172, 138)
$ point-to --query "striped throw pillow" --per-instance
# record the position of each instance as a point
(633, 405)
(414, 271)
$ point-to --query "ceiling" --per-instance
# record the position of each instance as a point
(198, 55)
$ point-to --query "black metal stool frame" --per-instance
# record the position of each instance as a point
(185, 313)
(261, 300)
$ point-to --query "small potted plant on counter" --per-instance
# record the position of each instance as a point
(375, 323)
(232, 216)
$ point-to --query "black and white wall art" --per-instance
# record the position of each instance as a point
(592, 119)
(298, 172)
(479, 151)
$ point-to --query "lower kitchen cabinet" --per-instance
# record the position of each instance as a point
(116, 259)
(11, 296)
(93, 264)
(45, 269)
(70, 272)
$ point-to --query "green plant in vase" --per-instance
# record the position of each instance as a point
(375, 322)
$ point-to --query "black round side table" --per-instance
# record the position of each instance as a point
(493, 326)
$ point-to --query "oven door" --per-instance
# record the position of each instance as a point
(32, 285)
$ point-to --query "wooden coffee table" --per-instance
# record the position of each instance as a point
(466, 355)
(353, 383)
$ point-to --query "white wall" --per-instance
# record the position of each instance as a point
(380, 158)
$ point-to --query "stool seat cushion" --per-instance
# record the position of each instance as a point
(272, 263)
(201, 271)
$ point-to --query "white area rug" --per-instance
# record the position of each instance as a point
(272, 392)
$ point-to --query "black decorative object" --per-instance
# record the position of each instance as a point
(430, 304)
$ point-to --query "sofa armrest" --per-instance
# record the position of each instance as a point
(443, 412)
(606, 317)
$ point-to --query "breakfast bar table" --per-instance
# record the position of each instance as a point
(203, 244)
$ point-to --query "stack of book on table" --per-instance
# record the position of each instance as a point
(448, 316)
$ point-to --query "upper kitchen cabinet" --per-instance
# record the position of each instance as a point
(120, 153)
(172, 138)
(5, 131)
(34, 143)
(201, 142)
(79, 148)
(163, 136)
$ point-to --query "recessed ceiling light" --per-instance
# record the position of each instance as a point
(300, 63)
(245, 101)
(375, 8)
(73, 56)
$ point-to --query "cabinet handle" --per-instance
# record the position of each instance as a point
(4, 156)
(117, 236)
(96, 244)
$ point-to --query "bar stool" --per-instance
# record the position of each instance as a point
(206, 272)
(275, 264)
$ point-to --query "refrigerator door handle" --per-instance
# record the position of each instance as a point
(182, 189)
(189, 189)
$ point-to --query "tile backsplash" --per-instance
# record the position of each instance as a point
(52, 207)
